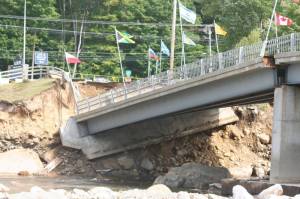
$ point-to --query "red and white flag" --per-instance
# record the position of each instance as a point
(282, 20)
(71, 59)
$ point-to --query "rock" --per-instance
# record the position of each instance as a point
(259, 172)
(264, 138)
(235, 132)
(213, 196)
(159, 188)
(273, 190)
(192, 175)
(27, 160)
(297, 196)
(241, 172)
(3, 188)
(81, 194)
(183, 195)
(126, 162)
(4, 196)
(240, 192)
(147, 164)
(102, 193)
(197, 196)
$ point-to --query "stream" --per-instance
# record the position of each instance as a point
(23, 184)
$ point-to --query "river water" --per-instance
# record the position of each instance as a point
(23, 184)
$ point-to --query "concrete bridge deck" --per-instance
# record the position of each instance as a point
(236, 77)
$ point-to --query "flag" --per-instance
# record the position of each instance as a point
(164, 49)
(71, 59)
(282, 21)
(124, 38)
(152, 54)
(187, 14)
(219, 30)
(187, 40)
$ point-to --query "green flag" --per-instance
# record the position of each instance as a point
(124, 38)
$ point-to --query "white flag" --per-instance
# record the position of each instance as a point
(187, 14)
(187, 40)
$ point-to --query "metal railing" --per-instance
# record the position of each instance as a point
(217, 62)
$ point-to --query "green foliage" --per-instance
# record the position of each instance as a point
(252, 38)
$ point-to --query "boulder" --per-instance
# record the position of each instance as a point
(259, 171)
(159, 188)
(27, 160)
(147, 164)
(240, 192)
(126, 162)
(192, 175)
(275, 190)
(241, 172)
(102, 193)
(3, 188)
(183, 195)
(264, 138)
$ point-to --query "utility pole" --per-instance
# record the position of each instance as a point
(24, 35)
(173, 34)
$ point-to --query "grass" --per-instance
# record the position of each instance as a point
(21, 91)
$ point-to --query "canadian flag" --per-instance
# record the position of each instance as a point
(71, 59)
(282, 21)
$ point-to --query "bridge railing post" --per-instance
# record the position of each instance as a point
(202, 68)
(99, 101)
(112, 96)
(293, 42)
(241, 55)
(221, 65)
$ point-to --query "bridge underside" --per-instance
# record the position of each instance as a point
(160, 115)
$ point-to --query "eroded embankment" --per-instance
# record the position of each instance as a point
(34, 123)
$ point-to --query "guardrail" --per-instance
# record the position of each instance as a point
(217, 62)
(40, 72)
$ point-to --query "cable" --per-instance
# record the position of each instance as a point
(103, 22)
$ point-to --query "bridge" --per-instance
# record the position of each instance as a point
(236, 77)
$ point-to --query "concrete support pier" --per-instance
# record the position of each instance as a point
(286, 136)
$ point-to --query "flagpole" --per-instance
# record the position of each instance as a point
(276, 33)
(24, 34)
(149, 63)
(264, 46)
(120, 58)
(156, 67)
(182, 40)
(173, 40)
(216, 35)
(209, 34)
(160, 56)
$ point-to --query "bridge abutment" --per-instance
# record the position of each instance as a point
(286, 135)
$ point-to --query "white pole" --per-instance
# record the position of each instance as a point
(24, 34)
(149, 64)
(182, 40)
(173, 40)
(209, 33)
(262, 53)
(216, 35)
(160, 56)
(120, 58)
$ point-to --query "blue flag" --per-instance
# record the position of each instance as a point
(164, 49)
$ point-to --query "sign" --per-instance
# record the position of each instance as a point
(18, 61)
(128, 73)
(41, 58)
